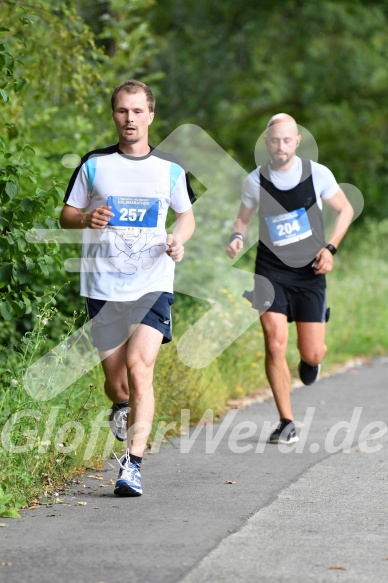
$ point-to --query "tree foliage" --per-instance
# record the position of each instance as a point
(57, 76)
(222, 65)
(230, 66)
(39, 79)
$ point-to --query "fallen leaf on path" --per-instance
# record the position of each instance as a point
(33, 507)
(3, 524)
(95, 477)
(5, 564)
(230, 482)
(80, 503)
(338, 567)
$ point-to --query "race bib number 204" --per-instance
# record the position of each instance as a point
(288, 228)
(133, 211)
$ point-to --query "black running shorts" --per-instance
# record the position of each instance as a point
(299, 304)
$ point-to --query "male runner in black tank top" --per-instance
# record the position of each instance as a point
(293, 257)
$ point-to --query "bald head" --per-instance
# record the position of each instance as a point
(282, 140)
(281, 118)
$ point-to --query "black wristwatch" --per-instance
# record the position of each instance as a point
(331, 248)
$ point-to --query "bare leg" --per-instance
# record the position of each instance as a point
(142, 350)
(311, 341)
(275, 328)
(129, 372)
(115, 370)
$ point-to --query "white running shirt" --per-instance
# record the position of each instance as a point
(127, 259)
(325, 185)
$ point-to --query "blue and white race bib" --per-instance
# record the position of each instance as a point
(288, 228)
(133, 211)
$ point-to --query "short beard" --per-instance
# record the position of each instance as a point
(281, 162)
(130, 140)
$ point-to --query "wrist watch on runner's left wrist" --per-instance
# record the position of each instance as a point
(331, 248)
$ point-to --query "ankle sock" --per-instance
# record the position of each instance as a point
(135, 459)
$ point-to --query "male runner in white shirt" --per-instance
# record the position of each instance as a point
(120, 196)
(293, 258)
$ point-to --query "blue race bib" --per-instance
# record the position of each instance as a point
(133, 211)
(288, 228)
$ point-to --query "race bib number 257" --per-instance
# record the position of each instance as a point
(133, 211)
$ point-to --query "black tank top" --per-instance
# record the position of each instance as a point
(291, 231)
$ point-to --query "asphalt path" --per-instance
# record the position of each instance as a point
(221, 504)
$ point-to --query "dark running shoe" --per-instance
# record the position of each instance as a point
(308, 374)
(284, 433)
(118, 420)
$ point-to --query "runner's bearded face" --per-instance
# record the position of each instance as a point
(282, 141)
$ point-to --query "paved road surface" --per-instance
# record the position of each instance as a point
(317, 512)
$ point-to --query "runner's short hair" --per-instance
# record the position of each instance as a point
(133, 86)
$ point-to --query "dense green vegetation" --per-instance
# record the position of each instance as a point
(227, 68)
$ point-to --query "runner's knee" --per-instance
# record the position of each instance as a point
(117, 390)
(313, 355)
(140, 376)
(276, 347)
